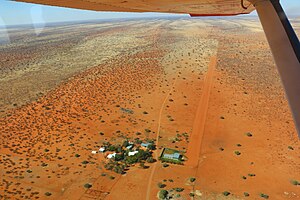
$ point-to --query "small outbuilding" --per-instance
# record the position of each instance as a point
(132, 153)
(102, 149)
(112, 155)
(145, 144)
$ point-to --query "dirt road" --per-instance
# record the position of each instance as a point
(193, 152)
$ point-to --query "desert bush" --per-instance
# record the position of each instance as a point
(85, 162)
(48, 193)
(161, 185)
(249, 134)
(179, 189)
(226, 193)
(87, 185)
(163, 194)
(290, 147)
(192, 179)
(265, 196)
(295, 182)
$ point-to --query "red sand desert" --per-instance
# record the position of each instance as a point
(207, 88)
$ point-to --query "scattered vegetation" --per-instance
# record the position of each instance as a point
(249, 134)
(192, 179)
(265, 196)
(226, 193)
(295, 182)
(48, 194)
(87, 185)
(161, 185)
(290, 147)
(163, 194)
(178, 189)
(122, 159)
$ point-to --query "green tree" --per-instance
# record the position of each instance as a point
(163, 194)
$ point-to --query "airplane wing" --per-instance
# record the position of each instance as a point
(193, 7)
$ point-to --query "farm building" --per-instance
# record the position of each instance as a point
(171, 155)
(112, 155)
(174, 156)
(132, 153)
(102, 149)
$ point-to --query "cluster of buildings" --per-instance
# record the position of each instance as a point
(129, 147)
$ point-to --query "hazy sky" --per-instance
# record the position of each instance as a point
(12, 13)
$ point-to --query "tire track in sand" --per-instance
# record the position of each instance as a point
(194, 147)
(157, 138)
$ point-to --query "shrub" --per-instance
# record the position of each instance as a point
(226, 193)
(77, 155)
(246, 194)
(249, 134)
(290, 147)
(161, 185)
(192, 179)
(163, 194)
(265, 196)
(87, 185)
(48, 193)
(179, 189)
(191, 194)
(85, 162)
(151, 147)
(150, 160)
(237, 153)
(147, 130)
(165, 165)
(295, 182)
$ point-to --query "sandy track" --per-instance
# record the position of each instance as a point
(193, 152)
(157, 139)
